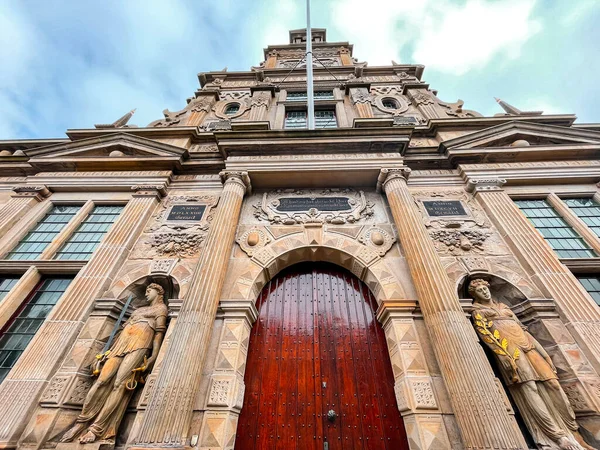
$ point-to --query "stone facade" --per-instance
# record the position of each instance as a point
(222, 195)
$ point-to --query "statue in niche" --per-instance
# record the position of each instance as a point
(528, 372)
(120, 368)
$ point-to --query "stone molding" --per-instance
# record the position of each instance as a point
(149, 190)
(236, 176)
(386, 175)
(39, 192)
(475, 185)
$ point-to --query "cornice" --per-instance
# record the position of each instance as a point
(54, 267)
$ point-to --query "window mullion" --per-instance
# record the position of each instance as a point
(67, 231)
(18, 294)
(575, 222)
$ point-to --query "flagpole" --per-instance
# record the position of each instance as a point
(309, 71)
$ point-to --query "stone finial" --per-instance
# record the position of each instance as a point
(475, 185)
(39, 192)
(386, 175)
(237, 176)
(512, 111)
(120, 122)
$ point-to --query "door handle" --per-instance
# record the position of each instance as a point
(331, 415)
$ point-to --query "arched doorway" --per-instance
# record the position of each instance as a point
(317, 347)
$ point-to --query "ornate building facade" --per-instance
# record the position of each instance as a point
(225, 278)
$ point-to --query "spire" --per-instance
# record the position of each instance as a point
(512, 111)
(119, 123)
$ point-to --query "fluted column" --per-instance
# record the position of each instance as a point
(24, 198)
(575, 306)
(170, 407)
(479, 409)
(20, 391)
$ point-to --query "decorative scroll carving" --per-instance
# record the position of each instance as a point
(377, 239)
(210, 148)
(198, 104)
(180, 239)
(459, 235)
(252, 240)
(359, 207)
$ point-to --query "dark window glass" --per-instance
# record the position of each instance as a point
(232, 108)
(34, 242)
(592, 285)
(565, 241)
(302, 96)
(298, 119)
(6, 284)
(389, 103)
(17, 333)
(587, 210)
(86, 238)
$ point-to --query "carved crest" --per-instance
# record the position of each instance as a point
(300, 206)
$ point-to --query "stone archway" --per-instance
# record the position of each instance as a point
(420, 394)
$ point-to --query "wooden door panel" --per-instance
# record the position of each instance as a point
(315, 347)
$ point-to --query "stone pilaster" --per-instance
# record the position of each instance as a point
(576, 308)
(170, 407)
(480, 411)
(201, 107)
(226, 388)
(23, 199)
(260, 104)
(22, 388)
(421, 397)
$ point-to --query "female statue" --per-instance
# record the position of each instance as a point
(121, 365)
(528, 372)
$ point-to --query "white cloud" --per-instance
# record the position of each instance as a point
(452, 38)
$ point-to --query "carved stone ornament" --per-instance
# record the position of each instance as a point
(360, 95)
(178, 238)
(467, 234)
(377, 239)
(163, 265)
(271, 208)
(198, 104)
(420, 98)
(253, 240)
(38, 192)
(244, 103)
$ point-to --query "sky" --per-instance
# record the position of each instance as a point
(72, 64)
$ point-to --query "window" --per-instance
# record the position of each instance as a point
(592, 285)
(562, 238)
(18, 332)
(6, 284)
(84, 241)
(232, 109)
(587, 210)
(302, 96)
(34, 242)
(389, 103)
(298, 119)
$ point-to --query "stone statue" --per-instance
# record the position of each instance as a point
(528, 372)
(119, 370)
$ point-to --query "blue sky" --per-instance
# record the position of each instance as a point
(70, 64)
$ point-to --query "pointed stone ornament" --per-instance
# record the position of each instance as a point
(512, 111)
(120, 122)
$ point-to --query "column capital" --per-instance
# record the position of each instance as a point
(389, 174)
(238, 309)
(236, 176)
(38, 192)
(149, 190)
(475, 185)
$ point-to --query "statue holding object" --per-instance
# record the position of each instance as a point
(119, 369)
(528, 372)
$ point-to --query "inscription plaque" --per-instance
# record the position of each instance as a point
(444, 208)
(189, 213)
(294, 204)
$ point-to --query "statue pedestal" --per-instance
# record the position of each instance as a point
(99, 445)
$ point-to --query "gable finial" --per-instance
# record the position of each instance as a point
(512, 111)
(121, 122)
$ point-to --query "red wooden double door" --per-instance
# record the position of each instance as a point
(318, 374)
